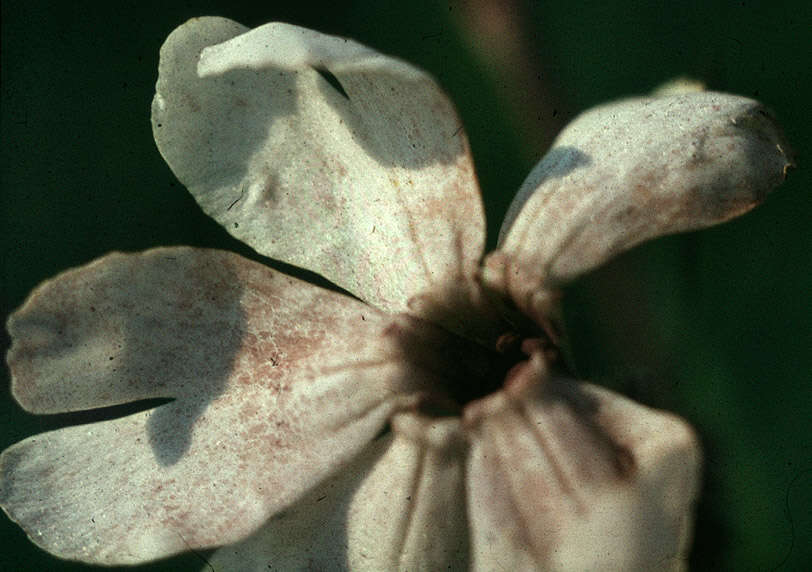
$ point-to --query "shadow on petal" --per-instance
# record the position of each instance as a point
(567, 476)
(556, 164)
(310, 534)
(321, 153)
(126, 328)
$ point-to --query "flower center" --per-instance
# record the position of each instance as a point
(437, 338)
(465, 371)
(513, 356)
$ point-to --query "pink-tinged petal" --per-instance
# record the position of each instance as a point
(399, 506)
(321, 152)
(630, 171)
(567, 476)
(312, 533)
(277, 384)
(409, 513)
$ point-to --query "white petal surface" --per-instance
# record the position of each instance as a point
(630, 171)
(309, 535)
(564, 476)
(277, 383)
(409, 514)
(399, 506)
(370, 184)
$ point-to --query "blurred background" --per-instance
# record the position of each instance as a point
(716, 325)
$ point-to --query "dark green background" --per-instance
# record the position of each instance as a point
(716, 325)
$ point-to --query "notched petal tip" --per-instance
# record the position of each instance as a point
(302, 378)
(286, 46)
(282, 126)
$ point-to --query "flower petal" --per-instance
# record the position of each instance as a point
(277, 384)
(400, 506)
(320, 152)
(409, 513)
(630, 171)
(564, 476)
(310, 534)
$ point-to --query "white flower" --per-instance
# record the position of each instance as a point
(427, 425)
